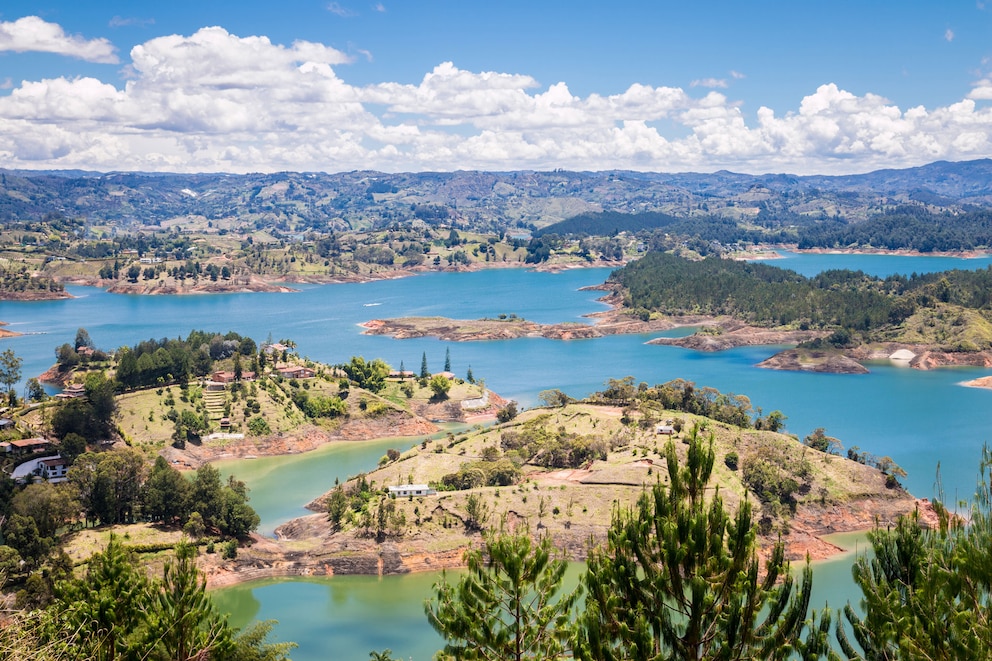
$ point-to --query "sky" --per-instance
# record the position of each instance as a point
(797, 86)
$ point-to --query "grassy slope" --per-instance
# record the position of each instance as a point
(576, 505)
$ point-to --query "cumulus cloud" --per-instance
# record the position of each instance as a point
(214, 101)
(32, 34)
(982, 90)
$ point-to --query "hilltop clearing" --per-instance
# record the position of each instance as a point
(563, 472)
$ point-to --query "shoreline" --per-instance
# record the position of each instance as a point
(283, 284)
(7, 333)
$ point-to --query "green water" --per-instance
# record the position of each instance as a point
(282, 486)
(345, 617)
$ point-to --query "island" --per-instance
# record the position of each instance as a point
(837, 321)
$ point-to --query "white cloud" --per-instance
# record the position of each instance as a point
(982, 90)
(949, 34)
(213, 101)
(379, 7)
(339, 10)
(709, 82)
(32, 34)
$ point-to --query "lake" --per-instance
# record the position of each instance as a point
(920, 419)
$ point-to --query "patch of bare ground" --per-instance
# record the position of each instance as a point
(813, 360)
(302, 439)
(983, 382)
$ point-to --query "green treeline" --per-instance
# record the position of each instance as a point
(655, 225)
(767, 295)
(157, 362)
(607, 223)
(907, 227)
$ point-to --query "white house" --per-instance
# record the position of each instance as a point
(405, 490)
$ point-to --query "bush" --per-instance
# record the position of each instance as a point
(230, 550)
(731, 460)
(258, 426)
(507, 413)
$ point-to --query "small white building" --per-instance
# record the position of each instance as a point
(405, 490)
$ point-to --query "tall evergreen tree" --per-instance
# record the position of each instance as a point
(185, 624)
(927, 590)
(447, 359)
(679, 579)
(508, 605)
(424, 372)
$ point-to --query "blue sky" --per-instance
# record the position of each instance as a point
(801, 87)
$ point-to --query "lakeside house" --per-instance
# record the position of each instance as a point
(405, 374)
(25, 446)
(665, 430)
(54, 469)
(72, 391)
(406, 490)
(296, 372)
(275, 347)
(228, 377)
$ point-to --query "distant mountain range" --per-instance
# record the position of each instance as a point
(487, 201)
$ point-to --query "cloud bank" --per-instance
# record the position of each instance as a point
(214, 101)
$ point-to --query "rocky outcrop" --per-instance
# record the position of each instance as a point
(812, 360)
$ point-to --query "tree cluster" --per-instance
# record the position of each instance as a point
(905, 228)
(767, 295)
(116, 611)
(157, 362)
(118, 487)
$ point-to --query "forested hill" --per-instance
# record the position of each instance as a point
(838, 299)
(294, 201)
(906, 227)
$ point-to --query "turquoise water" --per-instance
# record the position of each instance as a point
(920, 419)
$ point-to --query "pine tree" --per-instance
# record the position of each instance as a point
(469, 376)
(507, 606)
(447, 359)
(424, 372)
(185, 624)
(927, 589)
(679, 579)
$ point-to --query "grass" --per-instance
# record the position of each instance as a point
(588, 499)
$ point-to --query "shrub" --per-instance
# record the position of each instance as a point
(731, 460)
